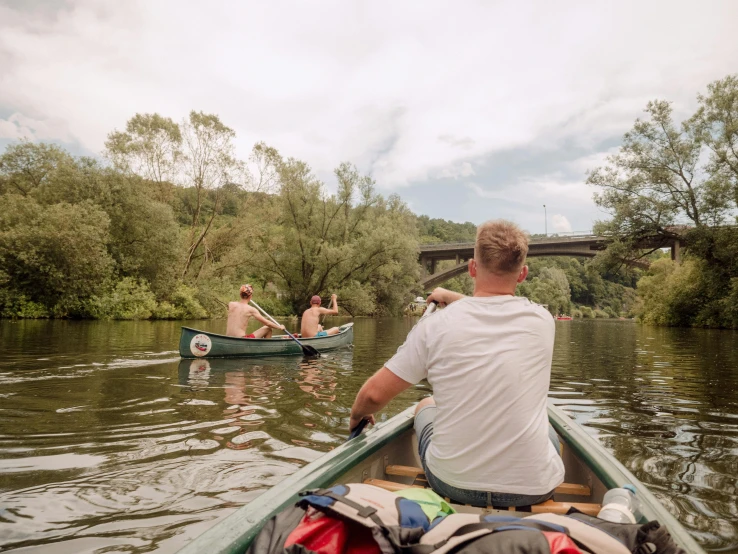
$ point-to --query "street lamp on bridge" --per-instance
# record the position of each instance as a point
(545, 220)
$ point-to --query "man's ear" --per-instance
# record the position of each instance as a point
(523, 274)
(472, 267)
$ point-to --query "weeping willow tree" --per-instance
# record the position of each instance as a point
(355, 242)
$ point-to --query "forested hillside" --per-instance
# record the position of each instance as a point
(170, 222)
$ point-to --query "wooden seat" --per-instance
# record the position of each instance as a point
(417, 473)
(549, 506)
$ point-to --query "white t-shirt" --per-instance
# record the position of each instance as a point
(488, 360)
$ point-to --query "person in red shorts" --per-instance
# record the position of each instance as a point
(239, 314)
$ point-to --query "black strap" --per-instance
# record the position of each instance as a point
(362, 511)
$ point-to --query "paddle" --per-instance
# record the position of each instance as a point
(306, 349)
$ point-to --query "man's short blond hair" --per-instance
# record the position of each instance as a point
(501, 247)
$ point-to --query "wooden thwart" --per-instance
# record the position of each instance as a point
(417, 472)
(390, 485)
(573, 488)
(551, 507)
(404, 471)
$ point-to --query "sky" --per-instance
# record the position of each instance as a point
(468, 110)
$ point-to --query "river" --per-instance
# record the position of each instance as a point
(110, 443)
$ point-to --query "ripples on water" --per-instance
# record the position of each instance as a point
(109, 442)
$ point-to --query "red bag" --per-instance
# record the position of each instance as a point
(559, 543)
(324, 534)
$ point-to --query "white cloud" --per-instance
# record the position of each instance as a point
(18, 126)
(410, 94)
(463, 169)
(484, 193)
(591, 161)
(560, 223)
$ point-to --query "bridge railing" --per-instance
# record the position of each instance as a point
(533, 238)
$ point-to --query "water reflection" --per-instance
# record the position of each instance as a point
(109, 441)
(663, 400)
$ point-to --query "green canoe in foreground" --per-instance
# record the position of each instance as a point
(387, 453)
(202, 344)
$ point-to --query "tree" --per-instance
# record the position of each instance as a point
(655, 186)
(198, 154)
(550, 288)
(354, 240)
(54, 255)
(716, 126)
(150, 147)
(26, 166)
(678, 182)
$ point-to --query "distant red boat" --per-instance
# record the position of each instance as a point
(563, 318)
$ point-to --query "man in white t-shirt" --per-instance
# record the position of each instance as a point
(484, 437)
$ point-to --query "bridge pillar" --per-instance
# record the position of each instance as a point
(432, 266)
(676, 252)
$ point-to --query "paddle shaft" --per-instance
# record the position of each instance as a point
(307, 350)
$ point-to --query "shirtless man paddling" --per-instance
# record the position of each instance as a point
(311, 326)
(239, 314)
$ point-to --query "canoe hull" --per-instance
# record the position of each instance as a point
(367, 456)
(201, 344)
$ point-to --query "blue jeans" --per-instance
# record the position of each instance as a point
(424, 432)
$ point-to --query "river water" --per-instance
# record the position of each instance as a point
(110, 443)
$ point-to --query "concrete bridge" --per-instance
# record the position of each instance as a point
(576, 244)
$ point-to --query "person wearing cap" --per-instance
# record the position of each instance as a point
(239, 314)
(311, 326)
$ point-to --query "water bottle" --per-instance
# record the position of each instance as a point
(621, 505)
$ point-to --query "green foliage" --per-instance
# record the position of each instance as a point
(15, 305)
(129, 299)
(680, 182)
(358, 298)
(317, 244)
(175, 222)
(26, 166)
(688, 294)
(54, 255)
(432, 230)
(550, 288)
(182, 304)
(670, 293)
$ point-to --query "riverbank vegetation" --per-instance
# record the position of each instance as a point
(170, 222)
(674, 181)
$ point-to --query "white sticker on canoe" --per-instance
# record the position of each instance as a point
(200, 345)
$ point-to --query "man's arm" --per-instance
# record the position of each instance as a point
(334, 309)
(444, 296)
(376, 393)
(265, 321)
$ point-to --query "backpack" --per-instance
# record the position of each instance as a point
(359, 518)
